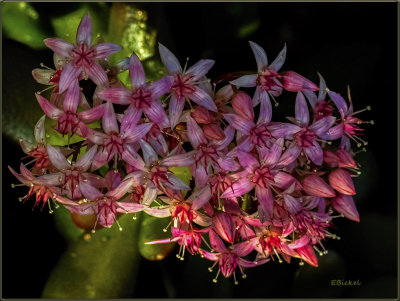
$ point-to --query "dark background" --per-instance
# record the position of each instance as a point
(349, 44)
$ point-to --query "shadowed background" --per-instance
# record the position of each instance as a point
(348, 43)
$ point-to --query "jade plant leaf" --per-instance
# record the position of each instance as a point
(99, 265)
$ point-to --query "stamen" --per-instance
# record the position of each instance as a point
(216, 277)
(234, 278)
(134, 217)
(301, 262)
(44, 66)
(166, 228)
(277, 255)
(273, 98)
(45, 89)
(184, 69)
(50, 210)
(368, 108)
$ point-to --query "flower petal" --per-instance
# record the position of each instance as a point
(136, 72)
(200, 69)
(104, 50)
(195, 134)
(265, 199)
(169, 60)
(238, 188)
(156, 113)
(316, 186)
(290, 155)
(301, 109)
(175, 109)
(109, 120)
(243, 105)
(200, 97)
(216, 242)
(200, 197)
(84, 162)
(265, 109)
(120, 96)
(135, 134)
(57, 158)
(223, 225)
(339, 102)
(345, 204)
(284, 180)
(121, 189)
(247, 161)
(39, 131)
(175, 183)
(242, 125)
(321, 126)
(279, 61)
(43, 76)
(292, 204)
(295, 82)
(150, 156)
(59, 46)
(72, 97)
(283, 129)
(314, 153)
(97, 74)
(130, 119)
(271, 157)
(93, 114)
(132, 158)
(68, 75)
(245, 81)
(84, 32)
(161, 87)
(185, 159)
(260, 55)
(149, 195)
(341, 181)
(89, 191)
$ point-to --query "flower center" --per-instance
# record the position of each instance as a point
(262, 177)
(206, 152)
(40, 153)
(269, 80)
(71, 183)
(260, 135)
(68, 123)
(158, 174)
(113, 145)
(141, 98)
(181, 86)
(305, 138)
(82, 55)
(322, 109)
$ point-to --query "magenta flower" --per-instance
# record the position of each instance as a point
(185, 84)
(70, 175)
(252, 135)
(155, 174)
(143, 97)
(114, 141)
(268, 80)
(305, 136)
(263, 174)
(348, 128)
(69, 121)
(106, 206)
(82, 57)
(345, 204)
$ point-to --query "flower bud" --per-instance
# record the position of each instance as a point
(341, 181)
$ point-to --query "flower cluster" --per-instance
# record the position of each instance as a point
(261, 190)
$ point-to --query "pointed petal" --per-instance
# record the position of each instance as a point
(175, 109)
(49, 109)
(279, 61)
(200, 175)
(333, 133)
(245, 81)
(290, 155)
(169, 60)
(57, 158)
(200, 114)
(200, 197)
(265, 109)
(223, 225)
(97, 75)
(149, 195)
(243, 106)
(196, 135)
(265, 199)
(316, 186)
(135, 134)
(322, 88)
(200, 97)
(229, 134)
(96, 137)
(121, 189)
(301, 109)
(68, 75)
(299, 243)
(84, 32)
(101, 158)
(308, 255)
(39, 131)
(345, 204)
(130, 119)
(89, 191)
(93, 114)
(132, 158)
(59, 46)
(228, 163)
(120, 96)
(260, 55)
(185, 159)
(242, 125)
(311, 96)
(213, 131)
(149, 154)
(341, 181)
(283, 129)
(156, 113)
(322, 126)
(284, 180)
(339, 102)
(216, 242)
(104, 50)
(176, 183)
(136, 72)
(86, 160)
(271, 158)
(165, 212)
(161, 87)
(292, 204)
(72, 97)
(124, 207)
(247, 161)
(238, 188)
(314, 153)
(109, 121)
(295, 82)
(42, 76)
(200, 69)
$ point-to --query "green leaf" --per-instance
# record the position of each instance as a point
(21, 23)
(103, 265)
(66, 226)
(182, 173)
(152, 229)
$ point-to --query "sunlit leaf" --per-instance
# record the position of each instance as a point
(21, 23)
